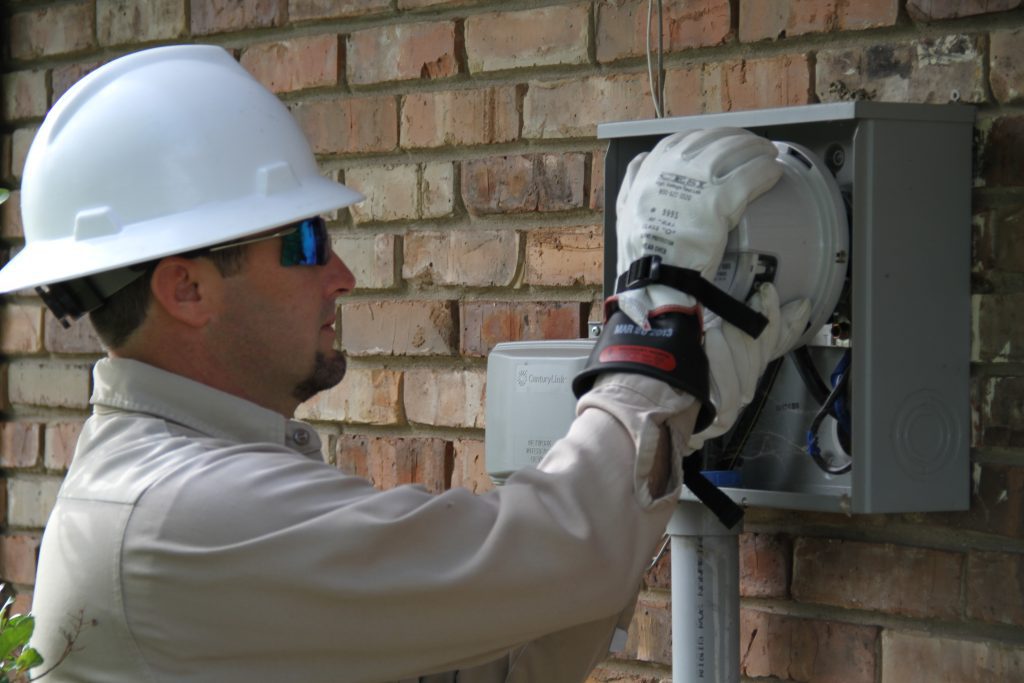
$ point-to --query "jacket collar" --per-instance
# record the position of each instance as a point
(120, 384)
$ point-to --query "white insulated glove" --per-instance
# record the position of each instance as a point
(679, 202)
(736, 360)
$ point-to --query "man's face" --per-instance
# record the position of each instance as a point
(276, 327)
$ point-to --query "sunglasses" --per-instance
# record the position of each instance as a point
(304, 243)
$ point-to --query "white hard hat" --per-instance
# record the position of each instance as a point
(157, 153)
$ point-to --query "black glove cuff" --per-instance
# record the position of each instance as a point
(671, 351)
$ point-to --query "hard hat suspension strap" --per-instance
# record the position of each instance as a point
(74, 298)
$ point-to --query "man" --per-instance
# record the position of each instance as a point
(198, 536)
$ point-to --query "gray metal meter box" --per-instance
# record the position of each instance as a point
(904, 171)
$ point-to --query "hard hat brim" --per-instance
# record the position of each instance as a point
(58, 260)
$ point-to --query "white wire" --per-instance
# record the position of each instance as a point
(657, 92)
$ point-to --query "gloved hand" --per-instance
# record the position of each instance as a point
(737, 360)
(680, 201)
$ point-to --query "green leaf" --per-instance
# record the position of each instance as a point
(16, 635)
(4, 194)
(28, 659)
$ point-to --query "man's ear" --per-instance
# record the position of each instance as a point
(187, 290)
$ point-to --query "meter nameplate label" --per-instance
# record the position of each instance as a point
(542, 378)
(533, 448)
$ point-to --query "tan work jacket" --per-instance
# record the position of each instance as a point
(199, 537)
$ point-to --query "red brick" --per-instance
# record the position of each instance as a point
(57, 30)
(998, 412)
(544, 36)
(400, 52)
(297, 64)
(1006, 66)
(220, 16)
(795, 649)
(470, 467)
(915, 582)
(997, 502)
(129, 21)
(63, 77)
(932, 10)
(933, 70)
(912, 657)
(609, 673)
(18, 555)
(22, 602)
(21, 328)
(392, 192)
(31, 499)
(997, 241)
(445, 398)
(64, 384)
(20, 444)
(24, 94)
(402, 191)
(21, 140)
(486, 323)
(302, 10)
(757, 83)
(997, 328)
(350, 125)
(420, 4)
(465, 117)
(365, 396)
(399, 328)
(518, 184)
(562, 257)
(765, 565)
(596, 99)
(1002, 155)
(855, 16)
(10, 216)
(995, 587)
(760, 20)
(596, 202)
(437, 189)
(80, 337)
(684, 92)
(474, 258)
(660, 575)
(59, 441)
(649, 638)
(391, 461)
(5, 397)
(622, 27)
(371, 258)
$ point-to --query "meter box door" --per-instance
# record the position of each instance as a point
(903, 172)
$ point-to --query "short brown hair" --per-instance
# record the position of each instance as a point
(124, 311)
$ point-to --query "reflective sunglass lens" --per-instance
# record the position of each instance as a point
(308, 245)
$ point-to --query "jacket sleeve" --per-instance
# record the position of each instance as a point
(384, 585)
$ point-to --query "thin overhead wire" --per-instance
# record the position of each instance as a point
(657, 86)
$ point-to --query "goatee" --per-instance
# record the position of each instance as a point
(327, 372)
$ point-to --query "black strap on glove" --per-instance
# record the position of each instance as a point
(649, 270)
(670, 351)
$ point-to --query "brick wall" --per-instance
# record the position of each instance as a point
(471, 126)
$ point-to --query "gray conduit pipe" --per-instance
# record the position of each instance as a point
(705, 597)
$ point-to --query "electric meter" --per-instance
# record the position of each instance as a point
(795, 236)
(870, 221)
